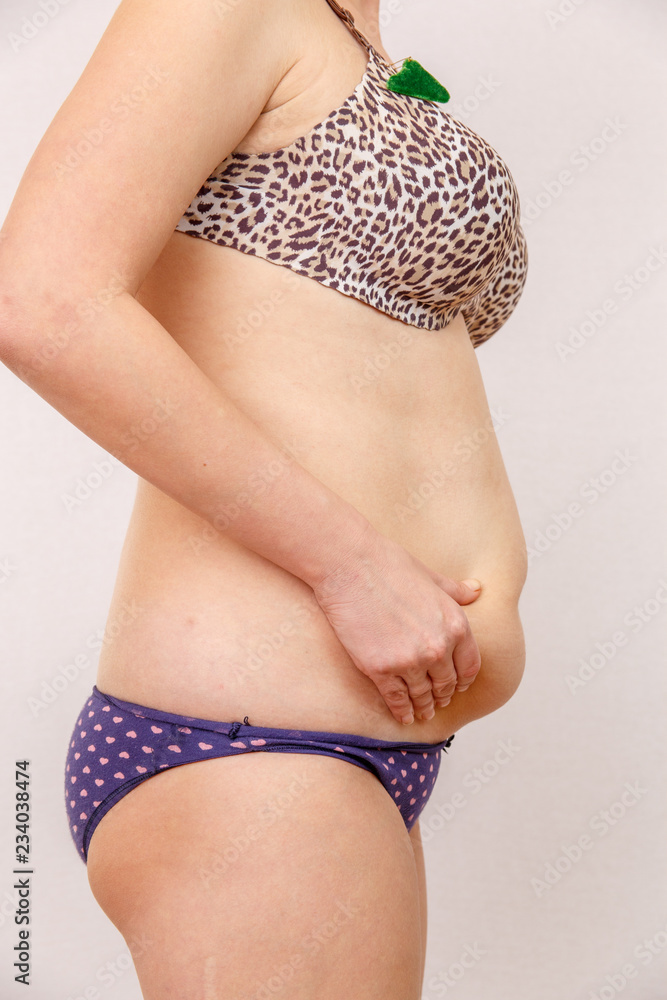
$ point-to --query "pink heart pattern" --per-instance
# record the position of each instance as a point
(388, 763)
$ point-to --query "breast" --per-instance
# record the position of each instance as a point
(389, 200)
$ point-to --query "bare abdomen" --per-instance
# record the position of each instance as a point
(222, 633)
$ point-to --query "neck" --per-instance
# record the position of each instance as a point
(366, 14)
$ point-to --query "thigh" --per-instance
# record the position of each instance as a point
(418, 848)
(263, 872)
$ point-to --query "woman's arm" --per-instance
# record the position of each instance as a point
(170, 89)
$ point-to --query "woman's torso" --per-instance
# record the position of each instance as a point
(392, 417)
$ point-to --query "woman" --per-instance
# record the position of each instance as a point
(268, 310)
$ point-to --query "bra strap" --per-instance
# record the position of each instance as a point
(345, 16)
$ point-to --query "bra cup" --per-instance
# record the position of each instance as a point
(389, 200)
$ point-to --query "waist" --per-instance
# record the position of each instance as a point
(203, 626)
(219, 629)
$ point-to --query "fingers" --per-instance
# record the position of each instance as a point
(395, 693)
(443, 691)
(443, 681)
(463, 591)
(421, 696)
(467, 662)
(415, 694)
(419, 691)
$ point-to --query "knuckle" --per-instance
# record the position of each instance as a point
(394, 695)
(444, 689)
(424, 698)
(378, 665)
(471, 670)
(458, 629)
(433, 651)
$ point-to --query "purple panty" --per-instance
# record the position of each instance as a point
(117, 744)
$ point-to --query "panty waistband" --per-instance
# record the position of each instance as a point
(234, 729)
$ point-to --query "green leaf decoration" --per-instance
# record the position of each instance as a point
(414, 80)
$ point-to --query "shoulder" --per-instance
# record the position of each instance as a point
(171, 88)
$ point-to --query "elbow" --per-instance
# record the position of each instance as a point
(35, 333)
(29, 342)
(18, 349)
(10, 337)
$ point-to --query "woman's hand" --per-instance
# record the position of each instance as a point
(402, 625)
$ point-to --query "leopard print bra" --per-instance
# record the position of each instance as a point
(389, 200)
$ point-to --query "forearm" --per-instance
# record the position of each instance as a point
(130, 387)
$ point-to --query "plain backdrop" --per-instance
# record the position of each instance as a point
(545, 833)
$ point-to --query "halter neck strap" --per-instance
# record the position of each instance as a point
(348, 19)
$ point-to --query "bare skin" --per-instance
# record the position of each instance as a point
(223, 632)
(207, 642)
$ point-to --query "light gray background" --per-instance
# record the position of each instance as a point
(545, 92)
